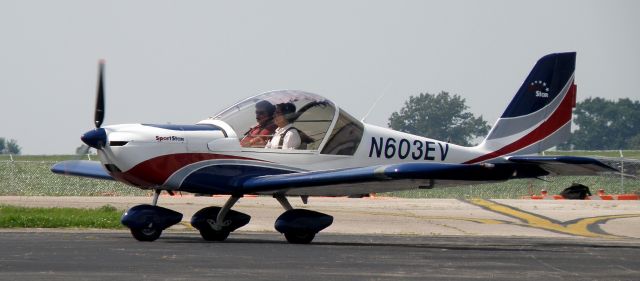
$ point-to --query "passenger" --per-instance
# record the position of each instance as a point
(286, 136)
(260, 134)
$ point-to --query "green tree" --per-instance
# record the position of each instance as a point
(9, 147)
(605, 124)
(13, 147)
(442, 116)
(634, 142)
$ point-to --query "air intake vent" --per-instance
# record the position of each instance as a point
(117, 143)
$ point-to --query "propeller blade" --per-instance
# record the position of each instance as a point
(83, 150)
(99, 117)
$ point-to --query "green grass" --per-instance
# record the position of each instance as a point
(34, 178)
(23, 217)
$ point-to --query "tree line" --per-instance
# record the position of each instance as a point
(605, 125)
(600, 124)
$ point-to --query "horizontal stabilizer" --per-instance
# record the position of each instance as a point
(565, 165)
(82, 168)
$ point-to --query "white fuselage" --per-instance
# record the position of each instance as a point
(153, 157)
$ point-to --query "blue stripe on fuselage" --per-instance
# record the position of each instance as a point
(225, 179)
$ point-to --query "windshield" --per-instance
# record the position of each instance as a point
(253, 119)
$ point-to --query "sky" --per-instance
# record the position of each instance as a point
(180, 62)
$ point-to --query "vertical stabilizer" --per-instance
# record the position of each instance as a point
(539, 116)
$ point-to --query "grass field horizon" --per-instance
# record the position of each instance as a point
(30, 175)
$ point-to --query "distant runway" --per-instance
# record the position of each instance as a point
(71, 255)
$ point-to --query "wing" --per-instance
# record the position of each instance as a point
(82, 168)
(411, 175)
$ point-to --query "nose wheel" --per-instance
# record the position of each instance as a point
(147, 222)
(295, 237)
(146, 234)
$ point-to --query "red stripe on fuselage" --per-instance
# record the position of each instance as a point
(156, 171)
(559, 118)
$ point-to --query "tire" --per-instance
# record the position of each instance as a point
(146, 234)
(213, 235)
(299, 237)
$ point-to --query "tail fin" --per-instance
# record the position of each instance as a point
(539, 116)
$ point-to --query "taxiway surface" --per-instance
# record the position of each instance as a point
(371, 239)
(265, 256)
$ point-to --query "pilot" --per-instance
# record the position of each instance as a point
(260, 134)
(286, 136)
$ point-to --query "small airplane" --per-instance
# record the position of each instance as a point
(331, 153)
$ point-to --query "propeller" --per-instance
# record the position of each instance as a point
(99, 116)
(97, 138)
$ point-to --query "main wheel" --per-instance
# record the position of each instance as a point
(214, 235)
(146, 234)
(299, 237)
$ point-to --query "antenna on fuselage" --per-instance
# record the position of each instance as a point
(376, 102)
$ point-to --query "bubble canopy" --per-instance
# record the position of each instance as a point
(314, 118)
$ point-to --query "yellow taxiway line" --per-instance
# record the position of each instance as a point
(579, 227)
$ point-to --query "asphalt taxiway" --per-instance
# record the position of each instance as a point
(371, 239)
(70, 255)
